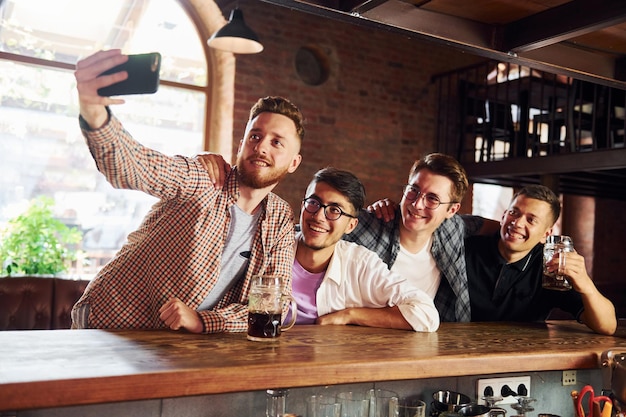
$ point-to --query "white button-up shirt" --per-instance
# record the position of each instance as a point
(357, 277)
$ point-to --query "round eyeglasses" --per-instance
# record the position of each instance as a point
(312, 205)
(431, 201)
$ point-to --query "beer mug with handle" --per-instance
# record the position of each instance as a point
(265, 307)
(556, 246)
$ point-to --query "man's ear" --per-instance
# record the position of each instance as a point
(295, 163)
(351, 226)
(453, 209)
(240, 146)
(545, 235)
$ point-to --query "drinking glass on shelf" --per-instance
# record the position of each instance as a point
(322, 406)
(408, 407)
(382, 402)
(354, 403)
(276, 402)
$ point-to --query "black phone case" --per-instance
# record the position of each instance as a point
(143, 76)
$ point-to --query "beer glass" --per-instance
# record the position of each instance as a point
(556, 245)
(265, 307)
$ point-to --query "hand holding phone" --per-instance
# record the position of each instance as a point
(143, 76)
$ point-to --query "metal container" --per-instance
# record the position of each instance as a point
(479, 410)
(450, 401)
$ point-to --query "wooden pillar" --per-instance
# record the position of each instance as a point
(578, 221)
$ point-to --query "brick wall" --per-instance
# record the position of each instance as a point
(373, 116)
(376, 114)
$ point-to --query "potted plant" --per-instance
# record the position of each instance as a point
(36, 243)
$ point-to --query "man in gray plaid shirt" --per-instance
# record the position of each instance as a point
(423, 238)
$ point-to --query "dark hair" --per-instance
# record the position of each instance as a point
(542, 193)
(282, 106)
(447, 166)
(343, 181)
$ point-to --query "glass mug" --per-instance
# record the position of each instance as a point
(556, 280)
(322, 406)
(408, 407)
(354, 403)
(383, 403)
(265, 308)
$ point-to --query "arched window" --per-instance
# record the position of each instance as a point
(42, 151)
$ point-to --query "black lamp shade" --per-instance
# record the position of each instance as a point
(236, 37)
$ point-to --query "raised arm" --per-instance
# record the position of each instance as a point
(88, 81)
(599, 311)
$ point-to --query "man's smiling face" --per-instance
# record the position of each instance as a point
(524, 224)
(416, 218)
(319, 232)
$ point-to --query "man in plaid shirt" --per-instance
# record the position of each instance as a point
(190, 262)
(422, 239)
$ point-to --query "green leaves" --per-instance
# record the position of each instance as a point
(36, 243)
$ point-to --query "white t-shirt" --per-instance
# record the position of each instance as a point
(419, 268)
(235, 255)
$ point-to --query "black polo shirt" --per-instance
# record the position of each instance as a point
(511, 292)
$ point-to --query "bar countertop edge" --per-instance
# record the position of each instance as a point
(41, 369)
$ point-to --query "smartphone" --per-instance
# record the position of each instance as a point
(143, 76)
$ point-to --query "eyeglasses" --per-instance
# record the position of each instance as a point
(431, 201)
(312, 205)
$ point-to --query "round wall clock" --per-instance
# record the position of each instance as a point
(311, 65)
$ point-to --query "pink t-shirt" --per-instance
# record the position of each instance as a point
(304, 289)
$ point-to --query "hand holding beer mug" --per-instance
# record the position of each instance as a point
(265, 308)
(556, 246)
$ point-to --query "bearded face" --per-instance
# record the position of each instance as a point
(269, 151)
(264, 176)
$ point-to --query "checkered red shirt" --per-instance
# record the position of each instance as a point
(177, 249)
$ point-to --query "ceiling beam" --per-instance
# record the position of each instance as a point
(482, 39)
(474, 37)
(561, 23)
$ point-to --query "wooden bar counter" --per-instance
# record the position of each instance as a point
(41, 369)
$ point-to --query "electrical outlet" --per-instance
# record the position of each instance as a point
(514, 383)
(569, 378)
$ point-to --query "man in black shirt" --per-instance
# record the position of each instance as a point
(504, 271)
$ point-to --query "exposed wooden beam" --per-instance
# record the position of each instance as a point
(561, 23)
(474, 37)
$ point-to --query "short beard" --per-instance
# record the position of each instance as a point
(252, 180)
(314, 247)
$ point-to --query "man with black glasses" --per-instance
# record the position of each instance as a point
(339, 282)
(422, 239)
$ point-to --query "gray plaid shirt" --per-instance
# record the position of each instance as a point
(448, 250)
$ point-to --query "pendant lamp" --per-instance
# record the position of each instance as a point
(235, 36)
